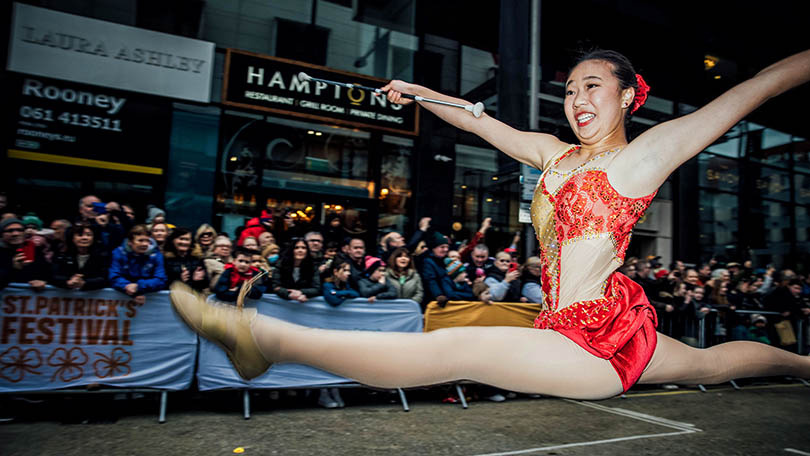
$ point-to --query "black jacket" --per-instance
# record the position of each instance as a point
(95, 270)
(173, 265)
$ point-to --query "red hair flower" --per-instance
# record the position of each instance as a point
(641, 93)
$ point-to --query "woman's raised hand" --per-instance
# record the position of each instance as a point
(396, 88)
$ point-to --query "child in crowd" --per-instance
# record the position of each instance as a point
(271, 253)
(373, 284)
(402, 276)
(481, 292)
(336, 288)
(259, 262)
(236, 274)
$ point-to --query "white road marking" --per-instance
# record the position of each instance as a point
(791, 450)
(595, 442)
(682, 428)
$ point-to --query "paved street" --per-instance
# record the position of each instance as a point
(761, 419)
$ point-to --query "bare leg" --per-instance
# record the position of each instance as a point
(517, 359)
(675, 362)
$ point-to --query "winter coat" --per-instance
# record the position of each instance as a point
(376, 289)
(409, 286)
(39, 269)
(499, 288)
(531, 288)
(224, 285)
(309, 284)
(437, 282)
(253, 228)
(335, 296)
(95, 269)
(129, 267)
(174, 266)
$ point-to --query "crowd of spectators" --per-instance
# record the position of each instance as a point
(107, 245)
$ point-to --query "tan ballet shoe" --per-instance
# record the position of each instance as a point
(225, 325)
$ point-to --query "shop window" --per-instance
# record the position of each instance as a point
(718, 223)
(772, 183)
(803, 237)
(769, 146)
(285, 166)
(395, 184)
(718, 173)
(770, 232)
(802, 182)
(801, 154)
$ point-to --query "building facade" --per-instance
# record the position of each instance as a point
(255, 136)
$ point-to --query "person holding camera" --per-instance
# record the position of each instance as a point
(20, 260)
(503, 279)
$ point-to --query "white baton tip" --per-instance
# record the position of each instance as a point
(478, 109)
(303, 76)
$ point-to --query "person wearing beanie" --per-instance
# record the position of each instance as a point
(21, 261)
(439, 286)
(256, 226)
(39, 236)
(372, 284)
(154, 214)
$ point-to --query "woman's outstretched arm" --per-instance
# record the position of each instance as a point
(660, 150)
(533, 149)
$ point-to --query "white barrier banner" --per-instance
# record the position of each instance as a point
(63, 338)
(216, 372)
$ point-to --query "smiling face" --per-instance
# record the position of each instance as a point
(159, 232)
(182, 243)
(595, 104)
(403, 261)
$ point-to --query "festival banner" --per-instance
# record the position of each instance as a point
(216, 372)
(65, 338)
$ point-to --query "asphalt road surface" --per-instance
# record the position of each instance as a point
(761, 419)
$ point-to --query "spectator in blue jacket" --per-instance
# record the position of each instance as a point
(336, 288)
(137, 265)
(439, 286)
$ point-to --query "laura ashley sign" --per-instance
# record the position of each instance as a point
(75, 48)
(272, 84)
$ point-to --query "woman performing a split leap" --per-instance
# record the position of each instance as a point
(597, 336)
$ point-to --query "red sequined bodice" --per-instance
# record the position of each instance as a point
(583, 226)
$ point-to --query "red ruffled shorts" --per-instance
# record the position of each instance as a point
(619, 327)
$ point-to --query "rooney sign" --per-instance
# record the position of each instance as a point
(272, 84)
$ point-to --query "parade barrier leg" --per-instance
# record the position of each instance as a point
(216, 372)
(60, 341)
(474, 313)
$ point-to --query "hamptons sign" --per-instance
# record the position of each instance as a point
(75, 48)
(273, 84)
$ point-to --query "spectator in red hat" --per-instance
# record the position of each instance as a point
(256, 226)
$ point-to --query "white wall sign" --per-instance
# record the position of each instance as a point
(75, 48)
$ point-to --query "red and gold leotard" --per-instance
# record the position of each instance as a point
(584, 226)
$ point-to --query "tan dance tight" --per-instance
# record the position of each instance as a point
(516, 359)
